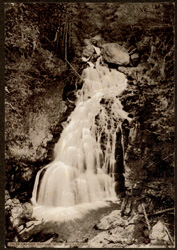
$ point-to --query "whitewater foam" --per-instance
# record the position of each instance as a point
(81, 177)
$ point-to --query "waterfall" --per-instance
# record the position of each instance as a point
(81, 177)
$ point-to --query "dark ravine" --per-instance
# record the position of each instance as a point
(146, 156)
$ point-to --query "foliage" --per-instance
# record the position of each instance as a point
(29, 70)
(153, 87)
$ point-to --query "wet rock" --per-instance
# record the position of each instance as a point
(27, 210)
(115, 54)
(16, 211)
(34, 231)
(88, 51)
(111, 221)
(159, 234)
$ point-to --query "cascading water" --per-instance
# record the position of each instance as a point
(81, 177)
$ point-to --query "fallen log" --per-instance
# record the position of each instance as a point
(162, 211)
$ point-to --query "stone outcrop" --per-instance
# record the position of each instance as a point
(113, 53)
(159, 234)
(128, 232)
(31, 145)
(119, 231)
(36, 128)
(110, 221)
(17, 215)
(20, 224)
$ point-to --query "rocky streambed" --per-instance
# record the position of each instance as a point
(24, 228)
(100, 228)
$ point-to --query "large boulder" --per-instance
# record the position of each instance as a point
(111, 221)
(159, 234)
(113, 53)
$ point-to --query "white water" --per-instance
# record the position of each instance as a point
(82, 175)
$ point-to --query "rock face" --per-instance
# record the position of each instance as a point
(31, 145)
(115, 54)
(36, 127)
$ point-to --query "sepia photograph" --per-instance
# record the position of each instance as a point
(89, 125)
